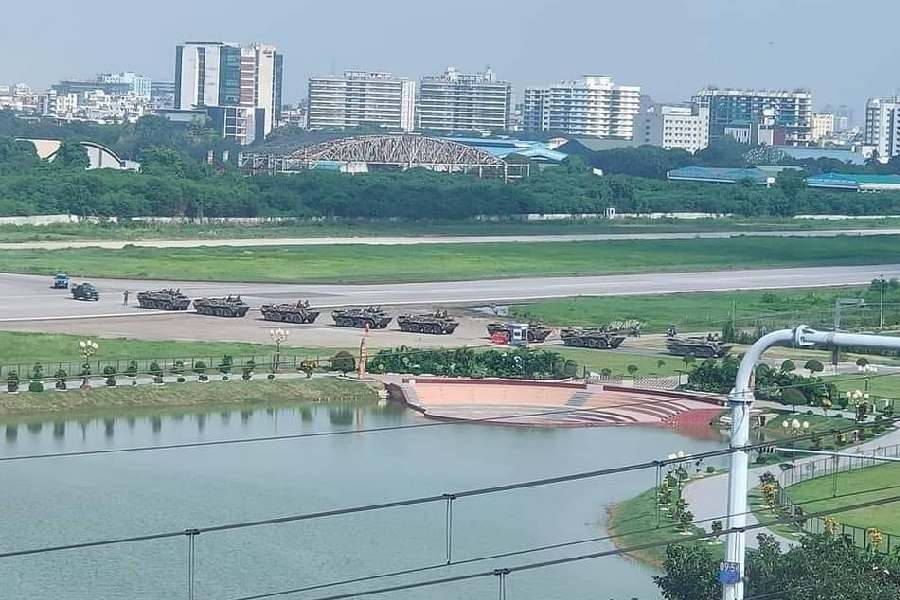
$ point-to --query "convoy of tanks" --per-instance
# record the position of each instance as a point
(439, 322)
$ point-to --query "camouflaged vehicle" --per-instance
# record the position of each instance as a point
(229, 306)
(591, 338)
(370, 316)
(437, 323)
(164, 300)
(290, 313)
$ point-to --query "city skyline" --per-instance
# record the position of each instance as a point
(520, 47)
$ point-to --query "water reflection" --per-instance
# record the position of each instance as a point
(12, 433)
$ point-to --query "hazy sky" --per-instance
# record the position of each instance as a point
(669, 47)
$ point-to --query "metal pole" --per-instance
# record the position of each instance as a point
(740, 400)
(191, 534)
(448, 527)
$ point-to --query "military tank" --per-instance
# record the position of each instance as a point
(289, 313)
(438, 323)
(229, 306)
(370, 316)
(700, 347)
(591, 338)
(536, 333)
(164, 300)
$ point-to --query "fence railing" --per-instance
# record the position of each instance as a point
(832, 466)
(167, 366)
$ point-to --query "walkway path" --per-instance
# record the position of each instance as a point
(707, 498)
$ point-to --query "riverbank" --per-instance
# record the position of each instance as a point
(232, 394)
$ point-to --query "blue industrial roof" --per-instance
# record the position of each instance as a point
(719, 175)
(843, 155)
(853, 181)
(501, 148)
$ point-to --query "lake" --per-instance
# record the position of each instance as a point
(66, 500)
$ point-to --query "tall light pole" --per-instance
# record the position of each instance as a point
(86, 348)
(279, 336)
(740, 400)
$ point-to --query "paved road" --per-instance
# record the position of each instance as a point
(29, 296)
(442, 239)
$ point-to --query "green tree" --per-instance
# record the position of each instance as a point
(788, 366)
(814, 366)
(632, 369)
(71, 155)
(344, 362)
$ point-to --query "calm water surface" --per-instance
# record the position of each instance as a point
(66, 500)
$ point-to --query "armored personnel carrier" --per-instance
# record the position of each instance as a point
(536, 333)
(164, 300)
(438, 323)
(229, 306)
(701, 347)
(289, 313)
(371, 316)
(591, 338)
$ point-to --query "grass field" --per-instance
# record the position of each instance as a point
(706, 309)
(634, 523)
(618, 360)
(27, 347)
(448, 262)
(234, 393)
(855, 487)
(142, 231)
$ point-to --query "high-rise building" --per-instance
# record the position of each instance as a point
(139, 84)
(669, 127)
(882, 130)
(822, 126)
(362, 98)
(454, 101)
(590, 106)
(755, 116)
(239, 86)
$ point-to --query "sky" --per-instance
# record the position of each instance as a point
(671, 48)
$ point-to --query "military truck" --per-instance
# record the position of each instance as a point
(85, 291)
(229, 306)
(370, 316)
(437, 323)
(709, 346)
(289, 313)
(61, 281)
(536, 333)
(591, 338)
(164, 300)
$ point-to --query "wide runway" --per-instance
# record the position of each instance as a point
(29, 297)
(437, 239)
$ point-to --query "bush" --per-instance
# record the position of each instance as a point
(307, 366)
(814, 366)
(788, 366)
(156, 371)
(61, 376)
(225, 365)
(109, 371)
(344, 362)
(177, 367)
(12, 382)
(200, 369)
(247, 371)
(132, 369)
(37, 378)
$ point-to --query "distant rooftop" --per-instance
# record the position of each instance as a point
(720, 175)
(852, 181)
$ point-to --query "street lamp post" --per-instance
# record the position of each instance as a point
(740, 400)
(279, 336)
(86, 348)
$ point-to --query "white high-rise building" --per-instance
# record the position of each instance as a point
(882, 129)
(822, 126)
(780, 118)
(362, 98)
(590, 106)
(140, 85)
(238, 86)
(454, 101)
(673, 127)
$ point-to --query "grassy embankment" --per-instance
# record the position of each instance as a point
(26, 348)
(148, 231)
(235, 393)
(686, 310)
(448, 262)
(634, 522)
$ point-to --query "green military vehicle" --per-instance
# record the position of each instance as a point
(85, 291)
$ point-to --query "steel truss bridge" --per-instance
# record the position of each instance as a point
(400, 152)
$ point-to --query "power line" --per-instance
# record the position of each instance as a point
(602, 554)
(426, 499)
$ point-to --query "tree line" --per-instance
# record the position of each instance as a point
(176, 181)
